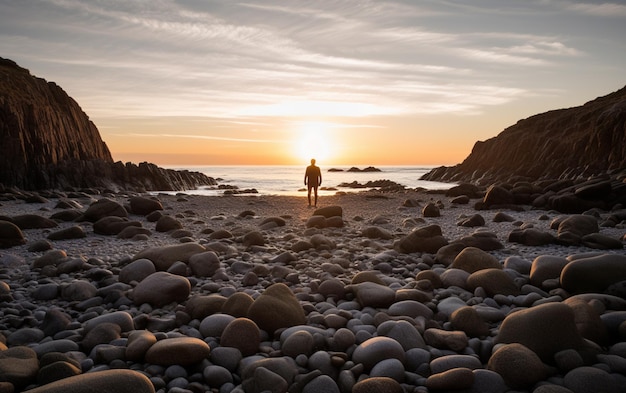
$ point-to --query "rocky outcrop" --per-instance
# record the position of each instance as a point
(48, 142)
(575, 143)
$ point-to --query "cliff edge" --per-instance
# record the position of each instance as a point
(48, 142)
(565, 144)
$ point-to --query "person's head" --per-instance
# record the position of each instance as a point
(312, 161)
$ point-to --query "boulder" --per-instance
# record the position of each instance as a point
(10, 235)
(593, 274)
(165, 256)
(426, 239)
(545, 329)
(276, 308)
(572, 229)
(472, 259)
(104, 207)
(144, 205)
(161, 288)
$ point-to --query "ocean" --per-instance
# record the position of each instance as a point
(289, 180)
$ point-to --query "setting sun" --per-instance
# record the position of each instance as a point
(314, 140)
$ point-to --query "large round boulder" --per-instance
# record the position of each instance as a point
(161, 288)
(593, 274)
(276, 308)
(545, 329)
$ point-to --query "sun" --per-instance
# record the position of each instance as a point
(314, 140)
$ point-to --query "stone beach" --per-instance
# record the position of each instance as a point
(409, 291)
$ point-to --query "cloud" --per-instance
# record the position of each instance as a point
(204, 137)
(603, 9)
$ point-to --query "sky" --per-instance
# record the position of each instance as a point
(348, 82)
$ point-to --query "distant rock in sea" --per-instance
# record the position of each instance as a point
(583, 141)
(48, 142)
(368, 169)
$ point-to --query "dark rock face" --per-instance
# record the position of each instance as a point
(49, 142)
(580, 142)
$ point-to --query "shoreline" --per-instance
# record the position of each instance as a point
(251, 267)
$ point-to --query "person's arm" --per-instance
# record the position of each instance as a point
(306, 172)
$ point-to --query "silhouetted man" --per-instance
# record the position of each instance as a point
(312, 179)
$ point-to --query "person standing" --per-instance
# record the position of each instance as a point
(312, 179)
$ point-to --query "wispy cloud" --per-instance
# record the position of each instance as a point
(614, 10)
(204, 137)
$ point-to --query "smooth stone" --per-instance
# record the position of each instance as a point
(161, 288)
(572, 229)
(217, 376)
(472, 259)
(283, 367)
(73, 232)
(376, 349)
(392, 368)
(378, 385)
(453, 379)
(121, 318)
(589, 379)
(243, 334)
(204, 264)
(370, 294)
(103, 333)
(104, 207)
(139, 341)
(519, 366)
(443, 339)
(468, 320)
(201, 306)
(144, 205)
(119, 381)
(214, 325)
(78, 290)
(163, 257)
(593, 274)
(167, 223)
(298, 343)
(137, 270)
(276, 308)
(237, 304)
(426, 239)
(227, 357)
(62, 345)
(56, 371)
(445, 363)
(403, 332)
(10, 235)
(184, 351)
(546, 267)
(493, 281)
(545, 329)
(450, 304)
(454, 278)
(18, 365)
(410, 308)
(487, 381)
(24, 336)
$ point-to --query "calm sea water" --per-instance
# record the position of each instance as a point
(289, 180)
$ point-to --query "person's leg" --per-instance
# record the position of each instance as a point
(309, 196)
(315, 196)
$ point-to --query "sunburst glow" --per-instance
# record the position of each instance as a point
(314, 140)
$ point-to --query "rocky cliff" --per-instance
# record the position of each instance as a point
(566, 144)
(47, 142)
